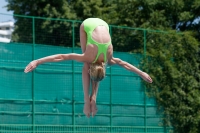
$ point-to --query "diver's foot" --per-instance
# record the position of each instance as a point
(86, 109)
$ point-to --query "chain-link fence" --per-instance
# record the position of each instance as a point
(50, 99)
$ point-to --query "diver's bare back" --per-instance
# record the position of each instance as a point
(101, 35)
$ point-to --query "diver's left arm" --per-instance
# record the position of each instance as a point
(131, 68)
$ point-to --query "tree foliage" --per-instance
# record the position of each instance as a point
(47, 31)
(174, 66)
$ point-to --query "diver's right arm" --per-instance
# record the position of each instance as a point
(54, 58)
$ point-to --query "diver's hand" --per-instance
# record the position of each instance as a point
(146, 77)
(31, 66)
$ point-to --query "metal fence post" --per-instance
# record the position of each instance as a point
(33, 76)
(73, 102)
(111, 90)
(145, 104)
(145, 40)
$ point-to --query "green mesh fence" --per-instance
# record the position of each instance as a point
(50, 99)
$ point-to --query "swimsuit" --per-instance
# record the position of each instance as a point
(89, 25)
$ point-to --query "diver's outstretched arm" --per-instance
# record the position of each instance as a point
(54, 58)
(131, 68)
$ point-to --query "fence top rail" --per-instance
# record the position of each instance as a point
(25, 16)
(79, 21)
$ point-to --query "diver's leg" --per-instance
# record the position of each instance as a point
(93, 107)
(85, 74)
